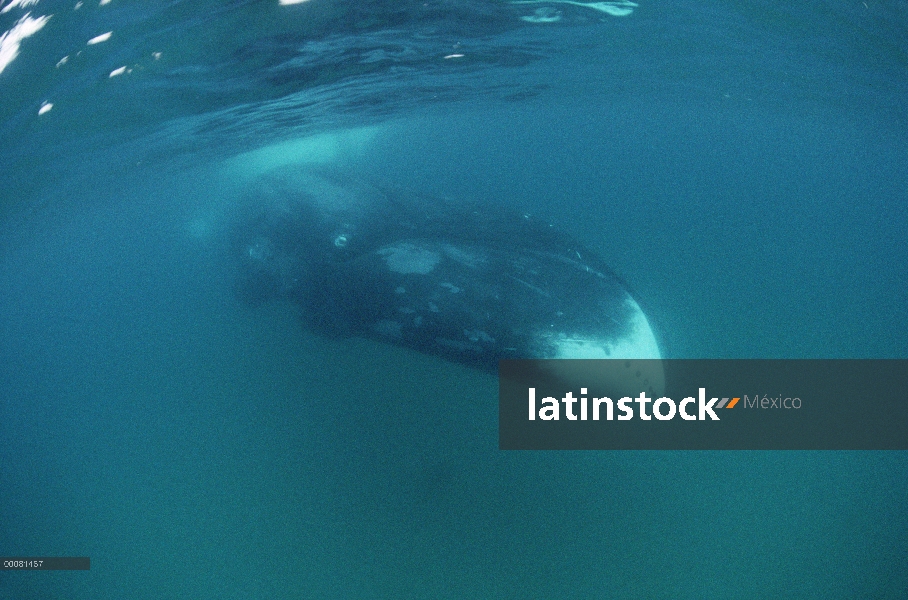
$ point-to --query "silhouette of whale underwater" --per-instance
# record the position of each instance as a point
(472, 284)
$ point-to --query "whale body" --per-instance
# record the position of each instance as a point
(470, 283)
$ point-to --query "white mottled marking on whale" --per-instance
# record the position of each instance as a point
(408, 258)
(476, 335)
(464, 257)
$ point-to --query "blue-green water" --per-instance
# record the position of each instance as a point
(744, 167)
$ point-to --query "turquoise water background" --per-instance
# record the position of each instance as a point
(743, 166)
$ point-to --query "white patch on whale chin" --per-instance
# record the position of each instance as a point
(639, 368)
(640, 342)
(408, 258)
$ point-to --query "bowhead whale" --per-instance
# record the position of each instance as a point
(470, 283)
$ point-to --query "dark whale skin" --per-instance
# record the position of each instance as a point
(470, 283)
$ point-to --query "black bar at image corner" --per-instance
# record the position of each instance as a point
(45, 563)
